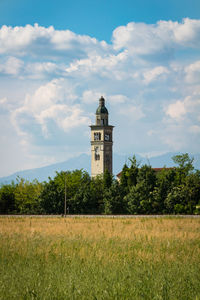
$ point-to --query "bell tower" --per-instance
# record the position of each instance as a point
(101, 141)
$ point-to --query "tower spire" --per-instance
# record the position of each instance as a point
(102, 101)
(101, 113)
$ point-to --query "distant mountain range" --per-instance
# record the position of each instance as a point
(83, 162)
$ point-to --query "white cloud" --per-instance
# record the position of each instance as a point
(181, 124)
(138, 38)
(11, 66)
(105, 66)
(132, 112)
(193, 72)
(155, 73)
(188, 33)
(115, 99)
(141, 38)
(52, 101)
(65, 116)
(90, 96)
(3, 101)
(188, 107)
(51, 81)
(40, 41)
(176, 110)
(41, 70)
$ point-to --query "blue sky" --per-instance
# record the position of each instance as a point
(58, 57)
(96, 18)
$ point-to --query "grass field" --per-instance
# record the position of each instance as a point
(95, 258)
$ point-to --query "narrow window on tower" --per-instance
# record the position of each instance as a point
(96, 154)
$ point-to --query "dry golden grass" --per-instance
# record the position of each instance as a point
(96, 228)
(119, 258)
(160, 233)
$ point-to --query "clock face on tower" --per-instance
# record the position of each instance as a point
(107, 137)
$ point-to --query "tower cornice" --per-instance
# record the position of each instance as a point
(100, 127)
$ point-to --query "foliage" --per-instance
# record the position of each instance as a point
(140, 190)
(71, 183)
(107, 179)
(185, 167)
(124, 177)
(184, 162)
(139, 198)
(165, 180)
(96, 190)
(27, 196)
(52, 198)
(183, 199)
(114, 203)
(7, 198)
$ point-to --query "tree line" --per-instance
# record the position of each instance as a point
(140, 190)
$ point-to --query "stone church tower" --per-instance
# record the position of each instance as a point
(101, 141)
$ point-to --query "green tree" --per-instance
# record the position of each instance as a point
(7, 198)
(107, 179)
(52, 198)
(114, 202)
(132, 174)
(139, 199)
(147, 175)
(86, 199)
(164, 183)
(184, 198)
(184, 162)
(192, 186)
(185, 167)
(77, 181)
(140, 196)
(97, 191)
(27, 196)
(175, 201)
(124, 177)
(83, 202)
(71, 182)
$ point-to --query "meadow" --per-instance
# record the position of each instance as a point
(99, 258)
